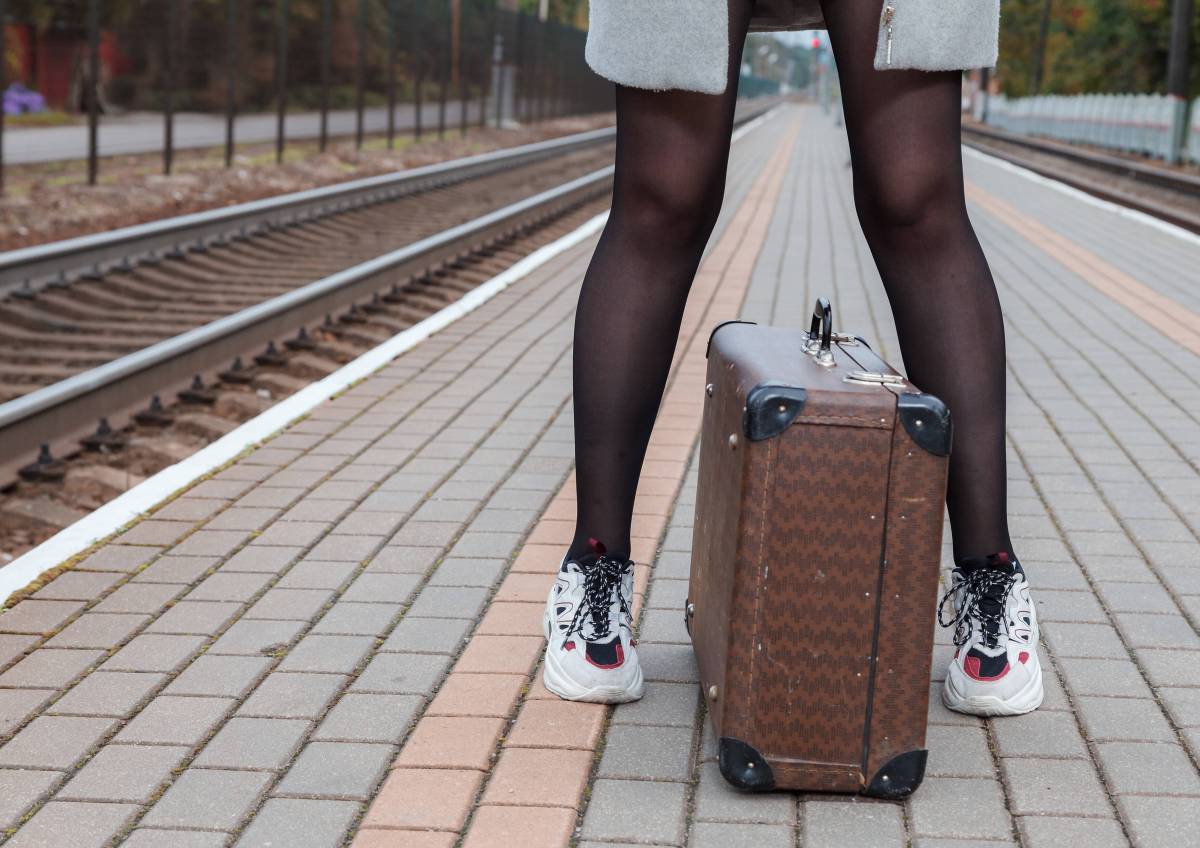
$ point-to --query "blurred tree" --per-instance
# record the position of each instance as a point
(1090, 46)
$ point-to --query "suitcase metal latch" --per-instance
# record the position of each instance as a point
(874, 378)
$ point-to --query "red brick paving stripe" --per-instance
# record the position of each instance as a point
(436, 777)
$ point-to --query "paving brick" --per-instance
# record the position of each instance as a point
(1054, 831)
(520, 778)
(176, 569)
(636, 811)
(344, 770)
(276, 496)
(1098, 641)
(254, 743)
(1039, 734)
(335, 654)
(293, 695)
(661, 753)
(13, 646)
(424, 799)
(346, 548)
(78, 585)
(176, 721)
(299, 824)
(1054, 787)
(98, 630)
(1183, 705)
(350, 619)
(501, 654)
(958, 752)
(190, 509)
(476, 571)
(126, 558)
(229, 586)
(402, 674)
(145, 837)
(1136, 597)
(262, 559)
(216, 543)
(208, 799)
(721, 835)
(465, 694)
(293, 604)
(20, 789)
(500, 827)
(34, 616)
(1169, 667)
(936, 808)
(80, 825)
(428, 635)
(512, 619)
(50, 668)
(1161, 822)
(16, 705)
(221, 676)
(382, 588)
(154, 652)
(156, 532)
(243, 518)
(309, 574)
(557, 724)
(369, 718)
(668, 663)
(1120, 678)
(123, 773)
(1147, 767)
(252, 637)
(302, 533)
(1127, 719)
(404, 559)
(451, 742)
(205, 618)
(1144, 630)
(109, 693)
(54, 742)
(451, 602)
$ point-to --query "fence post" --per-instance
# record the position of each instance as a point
(172, 24)
(1177, 76)
(3, 84)
(418, 54)
(326, 39)
(460, 69)
(444, 69)
(487, 64)
(281, 81)
(231, 81)
(93, 87)
(393, 12)
(360, 77)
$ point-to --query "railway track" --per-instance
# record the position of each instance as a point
(123, 353)
(1157, 190)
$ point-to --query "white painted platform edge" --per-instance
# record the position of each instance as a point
(1078, 194)
(135, 502)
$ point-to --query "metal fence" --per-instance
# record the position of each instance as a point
(1134, 123)
(138, 76)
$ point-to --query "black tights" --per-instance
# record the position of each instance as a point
(671, 156)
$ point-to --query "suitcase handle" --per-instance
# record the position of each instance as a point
(822, 320)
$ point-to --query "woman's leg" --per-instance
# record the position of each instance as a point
(903, 127)
(672, 151)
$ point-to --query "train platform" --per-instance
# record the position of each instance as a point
(335, 639)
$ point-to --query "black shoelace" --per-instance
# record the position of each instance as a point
(985, 591)
(600, 579)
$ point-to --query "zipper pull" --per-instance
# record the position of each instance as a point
(889, 12)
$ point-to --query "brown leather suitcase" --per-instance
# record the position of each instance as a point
(815, 558)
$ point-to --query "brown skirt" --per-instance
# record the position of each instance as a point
(786, 14)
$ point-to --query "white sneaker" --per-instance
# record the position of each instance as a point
(995, 670)
(590, 652)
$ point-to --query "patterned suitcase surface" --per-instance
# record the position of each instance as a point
(815, 559)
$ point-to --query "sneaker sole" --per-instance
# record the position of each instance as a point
(1025, 701)
(558, 682)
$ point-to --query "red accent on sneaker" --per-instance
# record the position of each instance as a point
(1002, 557)
(570, 646)
(617, 664)
(596, 545)
(1023, 657)
(971, 667)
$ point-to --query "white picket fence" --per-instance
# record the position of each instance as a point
(1137, 123)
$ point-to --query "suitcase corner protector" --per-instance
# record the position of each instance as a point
(899, 776)
(743, 766)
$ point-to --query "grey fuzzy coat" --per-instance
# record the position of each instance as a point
(665, 44)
